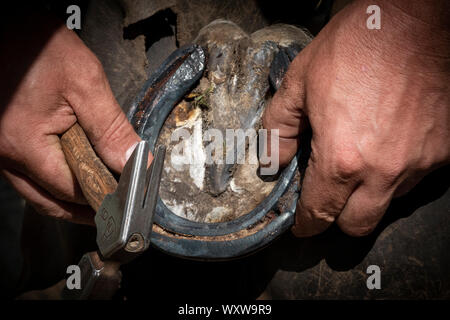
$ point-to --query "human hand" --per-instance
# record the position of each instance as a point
(378, 104)
(64, 84)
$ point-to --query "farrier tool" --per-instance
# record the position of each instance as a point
(124, 211)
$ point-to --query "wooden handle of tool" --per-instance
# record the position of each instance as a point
(95, 179)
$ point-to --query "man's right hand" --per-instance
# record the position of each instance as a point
(64, 84)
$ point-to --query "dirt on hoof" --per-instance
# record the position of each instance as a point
(232, 94)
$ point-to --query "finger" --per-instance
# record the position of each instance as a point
(364, 210)
(45, 204)
(45, 164)
(285, 111)
(368, 204)
(101, 117)
(325, 190)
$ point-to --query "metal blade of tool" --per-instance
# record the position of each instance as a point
(124, 215)
(124, 220)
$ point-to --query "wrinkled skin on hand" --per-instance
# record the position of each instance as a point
(65, 83)
(378, 104)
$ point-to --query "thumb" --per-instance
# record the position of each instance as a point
(101, 117)
(286, 111)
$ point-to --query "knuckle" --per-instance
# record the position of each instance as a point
(321, 215)
(93, 70)
(346, 165)
(428, 161)
(115, 131)
(391, 171)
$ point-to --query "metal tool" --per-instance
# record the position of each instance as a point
(124, 217)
